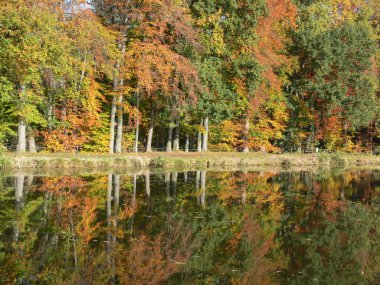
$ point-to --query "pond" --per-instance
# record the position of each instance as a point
(197, 227)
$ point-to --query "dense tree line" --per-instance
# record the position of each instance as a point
(128, 75)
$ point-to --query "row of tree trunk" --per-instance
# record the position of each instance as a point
(173, 143)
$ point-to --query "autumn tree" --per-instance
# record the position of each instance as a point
(333, 90)
(159, 72)
(29, 44)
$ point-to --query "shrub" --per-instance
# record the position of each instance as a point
(337, 160)
(159, 162)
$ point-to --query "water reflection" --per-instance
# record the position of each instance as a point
(191, 228)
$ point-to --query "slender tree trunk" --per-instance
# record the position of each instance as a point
(112, 125)
(176, 136)
(113, 110)
(21, 130)
(170, 137)
(119, 128)
(246, 135)
(150, 137)
(120, 111)
(199, 139)
(205, 135)
(187, 143)
(31, 142)
(21, 143)
(136, 145)
(150, 133)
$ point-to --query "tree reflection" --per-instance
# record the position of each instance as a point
(199, 228)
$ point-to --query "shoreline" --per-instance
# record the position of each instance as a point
(69, 162)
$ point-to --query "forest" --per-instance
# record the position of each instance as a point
(113, 76)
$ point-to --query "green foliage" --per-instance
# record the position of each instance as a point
(337, 160)
(159, 162)
(334, 77)
(330, 252)
(7, 114)
(302, 78)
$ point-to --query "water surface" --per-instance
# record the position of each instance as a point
(199, 227)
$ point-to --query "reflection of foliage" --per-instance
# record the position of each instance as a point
(251, 226)
(342, 249)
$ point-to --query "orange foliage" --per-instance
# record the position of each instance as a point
(153, 61)
(76, 124)
(268, 52)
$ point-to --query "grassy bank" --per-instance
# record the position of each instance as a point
(180, 160)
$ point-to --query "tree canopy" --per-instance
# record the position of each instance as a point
(114, 76)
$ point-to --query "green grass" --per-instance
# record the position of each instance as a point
(182, 160)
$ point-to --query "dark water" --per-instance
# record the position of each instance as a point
(191, 228)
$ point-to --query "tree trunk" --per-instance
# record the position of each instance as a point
(149, 139)
(199, 139)
(21, 130)
(119, 134)
(246, 135)
(150, 133)
(32, 142)
(136, 145)
(176, 136)
(205, 135)
(170, 136)
(21, 143)
(187, 143)
(113, 110)
(119, 128)
(112, 125)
